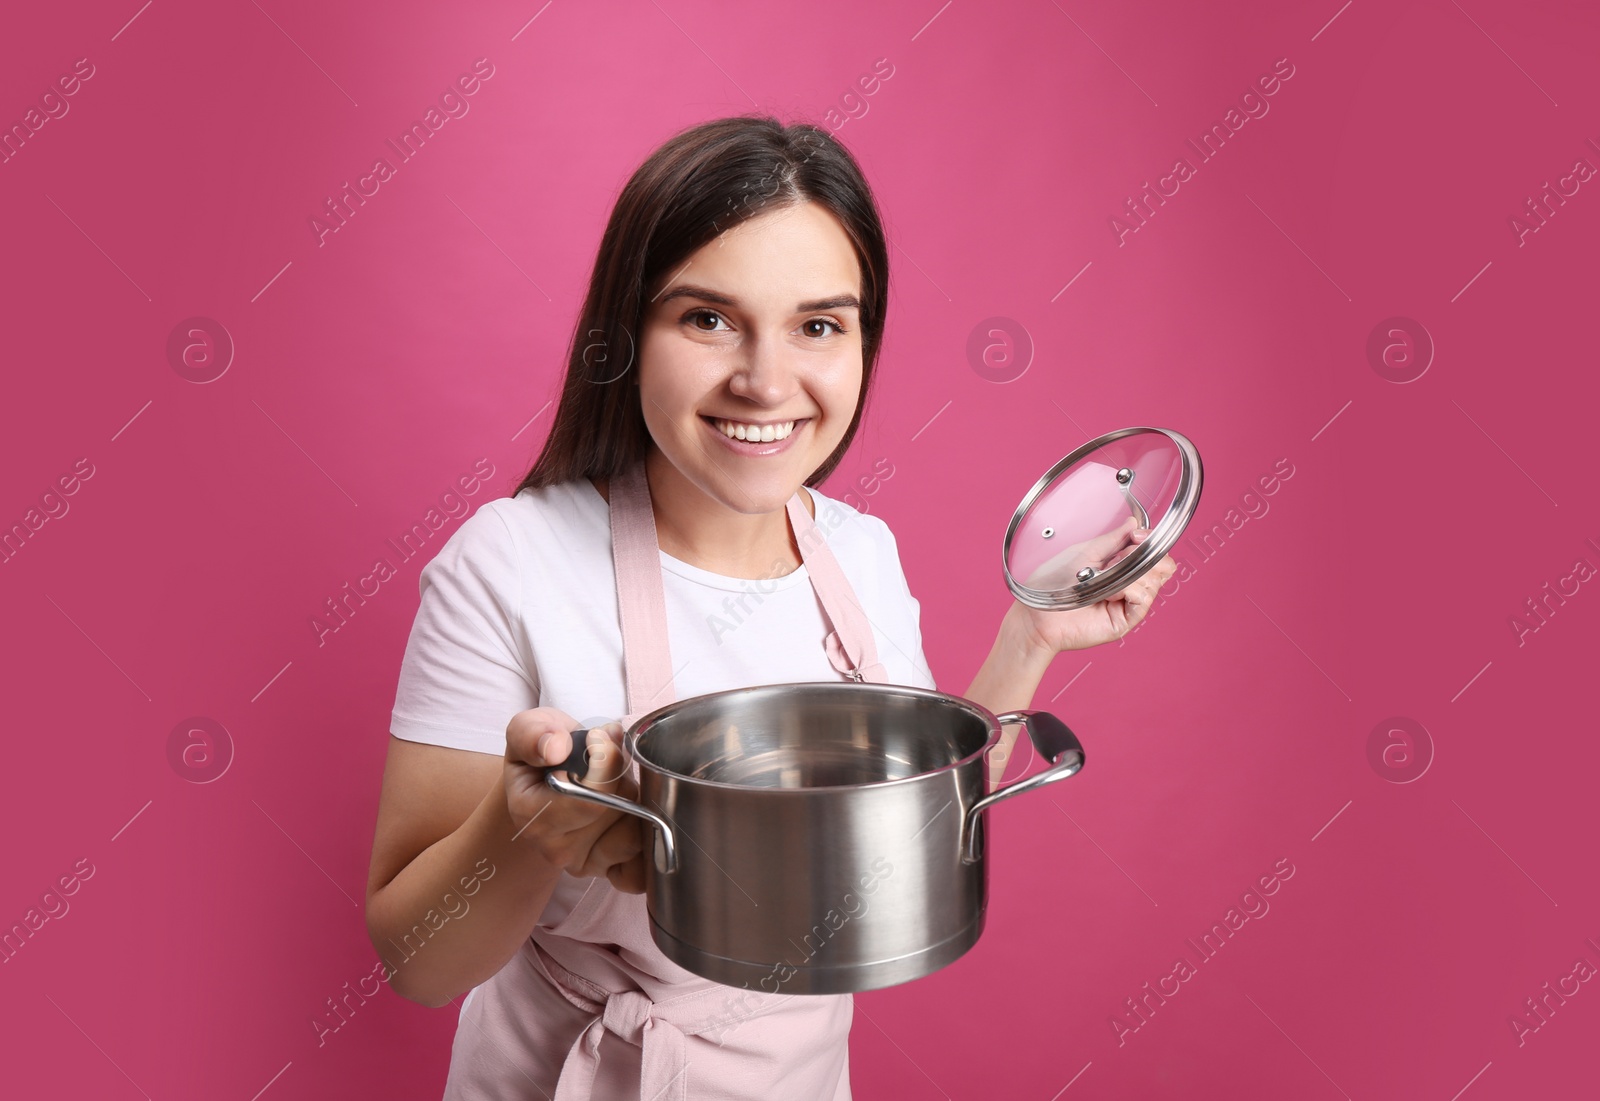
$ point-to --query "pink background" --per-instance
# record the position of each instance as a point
(1228, 733)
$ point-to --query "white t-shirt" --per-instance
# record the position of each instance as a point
(519, 610)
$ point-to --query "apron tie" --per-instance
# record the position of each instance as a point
(628, 1015)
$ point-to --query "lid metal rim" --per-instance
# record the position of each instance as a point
(1163, 537)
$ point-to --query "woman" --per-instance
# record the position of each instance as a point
(665, 544)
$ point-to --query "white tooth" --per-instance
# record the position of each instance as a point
(739, 431)
(727, 428)
(781, 431)
(768, 433)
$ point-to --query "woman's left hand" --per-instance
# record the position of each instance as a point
(1054, 631)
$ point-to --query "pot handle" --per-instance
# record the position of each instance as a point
(576, 765)
(1054, 741)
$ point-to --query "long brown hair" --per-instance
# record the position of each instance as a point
(706, 179)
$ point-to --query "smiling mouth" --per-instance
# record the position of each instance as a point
(767, 432)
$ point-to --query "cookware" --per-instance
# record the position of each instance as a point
(820, 837)
(1069, 542)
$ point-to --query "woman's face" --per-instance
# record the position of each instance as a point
(759, 328)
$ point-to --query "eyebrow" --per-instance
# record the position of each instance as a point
(706, 294)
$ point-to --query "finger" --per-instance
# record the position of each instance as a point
(1115, 539)
(621, 841)
(1144, 596)
(1117, 613)
(1136, 611)
(608, 761)
(628, 876)
(525, 736)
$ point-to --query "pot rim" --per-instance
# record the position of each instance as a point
(642, 725)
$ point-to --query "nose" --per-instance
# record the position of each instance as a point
(765, 377)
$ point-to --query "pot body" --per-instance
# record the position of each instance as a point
(820, 838)
(820, 891)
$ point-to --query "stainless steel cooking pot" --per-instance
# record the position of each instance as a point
(819, 838)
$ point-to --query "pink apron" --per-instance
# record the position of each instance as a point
(599, 966)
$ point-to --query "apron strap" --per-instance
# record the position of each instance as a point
(647, 658)
(642, 602)
(850, 645)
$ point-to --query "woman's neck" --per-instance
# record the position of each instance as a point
(694, 528)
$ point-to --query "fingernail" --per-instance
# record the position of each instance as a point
(544, 740)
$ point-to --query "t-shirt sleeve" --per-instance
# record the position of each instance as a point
(909, 626)
(466, 668)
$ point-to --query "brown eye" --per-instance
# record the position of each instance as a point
(699, 315)
(826, 324)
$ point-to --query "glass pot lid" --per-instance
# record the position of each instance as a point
(1070, 542)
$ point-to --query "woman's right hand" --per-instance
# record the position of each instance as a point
(584, 838)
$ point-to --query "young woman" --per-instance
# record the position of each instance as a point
(667, 543)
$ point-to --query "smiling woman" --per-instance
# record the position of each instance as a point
(719, 367)
(718, 371)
